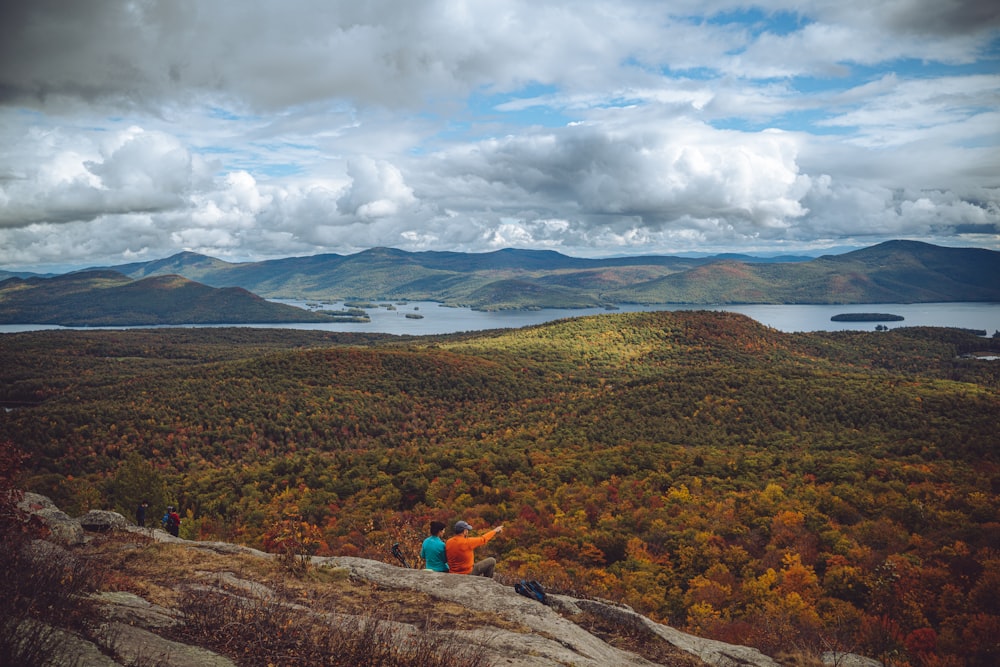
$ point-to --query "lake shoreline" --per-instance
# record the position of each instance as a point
(439, 319)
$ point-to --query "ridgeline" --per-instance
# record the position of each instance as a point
(892, 272)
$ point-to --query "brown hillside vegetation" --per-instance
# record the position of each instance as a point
(792, 492)
(117, 595)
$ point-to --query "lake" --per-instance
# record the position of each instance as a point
(438, 319)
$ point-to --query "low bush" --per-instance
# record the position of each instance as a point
(261, 632)
(42, 588)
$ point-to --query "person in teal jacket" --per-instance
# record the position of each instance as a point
(432, 550)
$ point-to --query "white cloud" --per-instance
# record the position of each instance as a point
(647, 175)
(61, 177)
(377, 190)
(402, 54)
(898, 112)
(263, 129)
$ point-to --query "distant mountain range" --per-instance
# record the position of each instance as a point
(891, 272)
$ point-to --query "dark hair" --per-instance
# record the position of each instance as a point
(436, 527)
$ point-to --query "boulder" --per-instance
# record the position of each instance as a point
(63, 529)
(100, 521)
(32, 502)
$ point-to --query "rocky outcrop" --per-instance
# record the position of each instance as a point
(63, 529)
(99, 521)
(711, 651)
(132, 645)
(554, 640)
(530, 635)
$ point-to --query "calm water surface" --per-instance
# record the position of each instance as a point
(438, 319)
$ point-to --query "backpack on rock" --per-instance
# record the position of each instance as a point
(531, 589)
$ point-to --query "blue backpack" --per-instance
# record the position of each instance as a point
(531, 589)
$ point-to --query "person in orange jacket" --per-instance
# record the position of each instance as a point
(460, 549)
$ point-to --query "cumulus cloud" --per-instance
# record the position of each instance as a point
(242, 130)
(75, 178)
(656, 175)
(377, 190)
(867, 210)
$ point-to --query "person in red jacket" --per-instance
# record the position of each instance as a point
(460, 549)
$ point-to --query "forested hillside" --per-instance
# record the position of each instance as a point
(108, 298)
(785, 491)
(890, 272)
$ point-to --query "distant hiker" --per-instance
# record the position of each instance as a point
(460, 548)
(171, 521)
(140, 514)
(433, 549)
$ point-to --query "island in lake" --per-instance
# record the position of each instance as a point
(866, 317)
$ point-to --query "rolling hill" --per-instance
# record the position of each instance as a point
(781, 491)
(892, 272)
(109, 298)
(189, 288)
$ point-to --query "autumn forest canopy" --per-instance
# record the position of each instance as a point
(819, 491)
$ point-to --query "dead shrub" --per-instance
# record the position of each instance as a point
(42, 588)
(261, 632)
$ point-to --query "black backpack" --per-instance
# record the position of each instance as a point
(531, 589)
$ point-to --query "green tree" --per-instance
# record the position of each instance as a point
(136, 480)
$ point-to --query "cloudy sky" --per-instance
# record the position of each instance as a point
(253, 129)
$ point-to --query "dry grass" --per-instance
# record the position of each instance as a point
(156, 571)
(254, 611)
(266, 632)
(322, 617)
